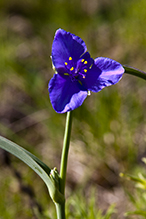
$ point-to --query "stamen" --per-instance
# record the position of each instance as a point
(85, 62)
(66, 74)
(80, 82)
(83, 53)
(66, 63)
(70, 58)
(82, 60)
(91, 66)
(85, 70)
(72, 68)
(84, 76)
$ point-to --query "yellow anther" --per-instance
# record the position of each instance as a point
(85, 62)
(85, 70)
(82, 60)
(70, 58)
(72, 68)
(83, 76)
(66, 74)
(66, 63)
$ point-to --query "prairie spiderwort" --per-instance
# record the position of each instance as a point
(77, 73)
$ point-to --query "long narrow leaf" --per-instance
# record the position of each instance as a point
(43, 165)
(37, 165)
(138, 212)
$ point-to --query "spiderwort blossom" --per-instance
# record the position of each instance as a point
(77, 73)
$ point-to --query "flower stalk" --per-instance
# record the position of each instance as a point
(134, 71)
(64, 158)
(60, 208)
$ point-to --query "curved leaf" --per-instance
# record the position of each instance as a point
(37, 165)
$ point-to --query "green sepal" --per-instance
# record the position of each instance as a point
(56, 197)
(54, 175)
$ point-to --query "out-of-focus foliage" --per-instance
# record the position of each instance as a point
(138, 198)
(108, 135)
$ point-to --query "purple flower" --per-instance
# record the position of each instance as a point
(77, 73)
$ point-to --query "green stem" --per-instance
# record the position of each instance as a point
(133, 71)
(64, 158)
(60, 208)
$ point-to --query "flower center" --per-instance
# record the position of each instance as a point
(76, 69)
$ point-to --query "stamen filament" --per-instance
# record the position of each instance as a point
(80, 82)
(91, 66)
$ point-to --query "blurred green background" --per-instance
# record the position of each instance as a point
(109, 131)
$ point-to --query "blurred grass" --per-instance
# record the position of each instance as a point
(108, 135)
